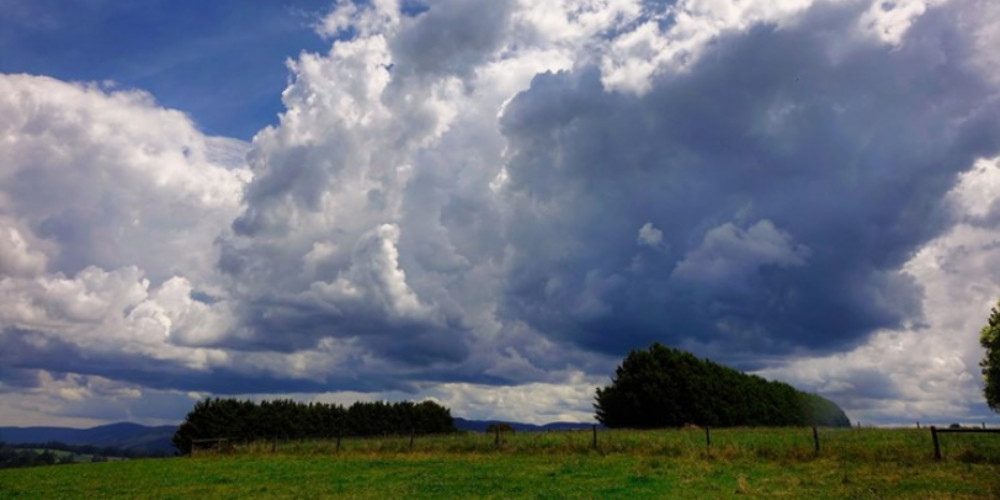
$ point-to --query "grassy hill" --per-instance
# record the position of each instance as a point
(741, 463)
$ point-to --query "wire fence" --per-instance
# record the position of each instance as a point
(857, 444)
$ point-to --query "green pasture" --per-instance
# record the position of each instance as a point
(741, 463)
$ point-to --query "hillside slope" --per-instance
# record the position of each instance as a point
(123, 435)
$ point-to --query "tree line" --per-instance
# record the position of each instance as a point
(42, 454)
(89, 449)
(246, 420)
(14, 458)
(665, 387)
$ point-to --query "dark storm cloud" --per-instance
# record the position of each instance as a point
(790, 183)
(290, 326)
(30, 350)
(865, 384)
(24, 352)
(19, 378)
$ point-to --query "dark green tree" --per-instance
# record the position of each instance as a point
(664, 387)
(989, 337)
(246, 421)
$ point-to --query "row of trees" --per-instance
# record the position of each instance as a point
(664, 387)
(89, 449)
(246, 420)
(42, 454)
(13, 458)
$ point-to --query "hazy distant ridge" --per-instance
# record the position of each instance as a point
(481, 425)
(123, 435)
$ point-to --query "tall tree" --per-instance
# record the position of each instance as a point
(664, 387)
(989, 337)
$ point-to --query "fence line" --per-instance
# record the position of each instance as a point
(935, 431)
(760, 442)
(208, 444)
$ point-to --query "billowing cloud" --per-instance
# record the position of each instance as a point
(765, 166)
(931, 370)
(109, 207)
(490, 203)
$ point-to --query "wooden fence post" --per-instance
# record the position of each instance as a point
(708, 438)
(937, 447)
(595, 437)
(816, 440)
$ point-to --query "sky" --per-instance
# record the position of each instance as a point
(488, 204)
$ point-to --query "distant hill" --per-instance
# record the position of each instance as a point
(124, 435)
(481, 425)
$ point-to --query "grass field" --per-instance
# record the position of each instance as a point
(742, 463)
